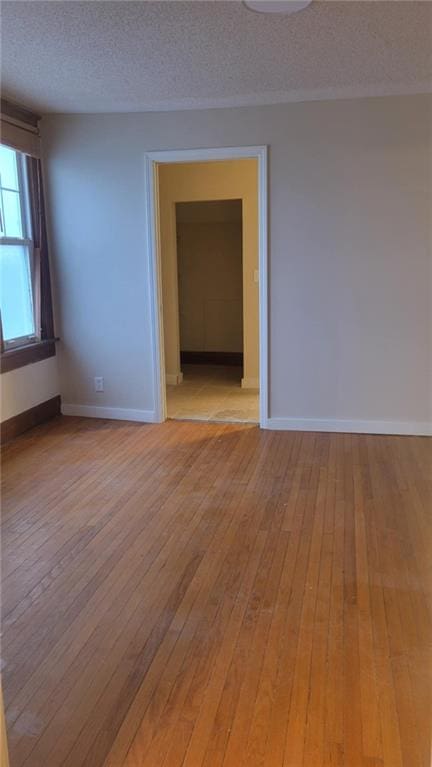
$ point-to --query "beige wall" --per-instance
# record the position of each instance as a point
(350, 302)
(210, 283)
(190, 182)
(28, 386)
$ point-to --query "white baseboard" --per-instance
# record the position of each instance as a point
(173, 378)
(115, 413)
(250, 383)
(413, 428)
(409, 428)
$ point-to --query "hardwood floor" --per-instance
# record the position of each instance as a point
(205, 594)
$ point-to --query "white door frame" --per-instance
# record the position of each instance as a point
(155, 269)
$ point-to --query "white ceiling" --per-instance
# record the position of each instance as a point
(132, 56)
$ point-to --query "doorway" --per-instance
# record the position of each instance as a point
(217, 365)
(210, 271)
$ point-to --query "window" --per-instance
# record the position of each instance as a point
(26, 316)
(18, 284)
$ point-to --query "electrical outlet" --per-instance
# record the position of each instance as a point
(98, 383)
(256, 275)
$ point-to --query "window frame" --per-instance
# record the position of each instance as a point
(26, 350)
(26, 241)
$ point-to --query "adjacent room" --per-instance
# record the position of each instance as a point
(210, 290)
(216, 383)
(208, 251)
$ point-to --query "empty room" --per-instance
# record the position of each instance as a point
(216, 383)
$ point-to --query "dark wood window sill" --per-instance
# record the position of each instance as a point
(26, 355)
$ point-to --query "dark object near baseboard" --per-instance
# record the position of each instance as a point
(32, 417)
(211, 358)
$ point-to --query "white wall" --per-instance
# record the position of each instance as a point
(350, 284)
(28, 386)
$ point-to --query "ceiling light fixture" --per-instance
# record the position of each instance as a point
(286, 7)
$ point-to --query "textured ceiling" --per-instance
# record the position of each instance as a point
(131, 56)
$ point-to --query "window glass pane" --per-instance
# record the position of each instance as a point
(16, 302)
(8, 168)
(12, 226)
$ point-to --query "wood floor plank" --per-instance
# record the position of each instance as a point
(118, 585)
(202, 727)
(212, 595)
(198, 631)
(202, 545)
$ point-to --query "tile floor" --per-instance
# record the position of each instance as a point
(212, 393)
